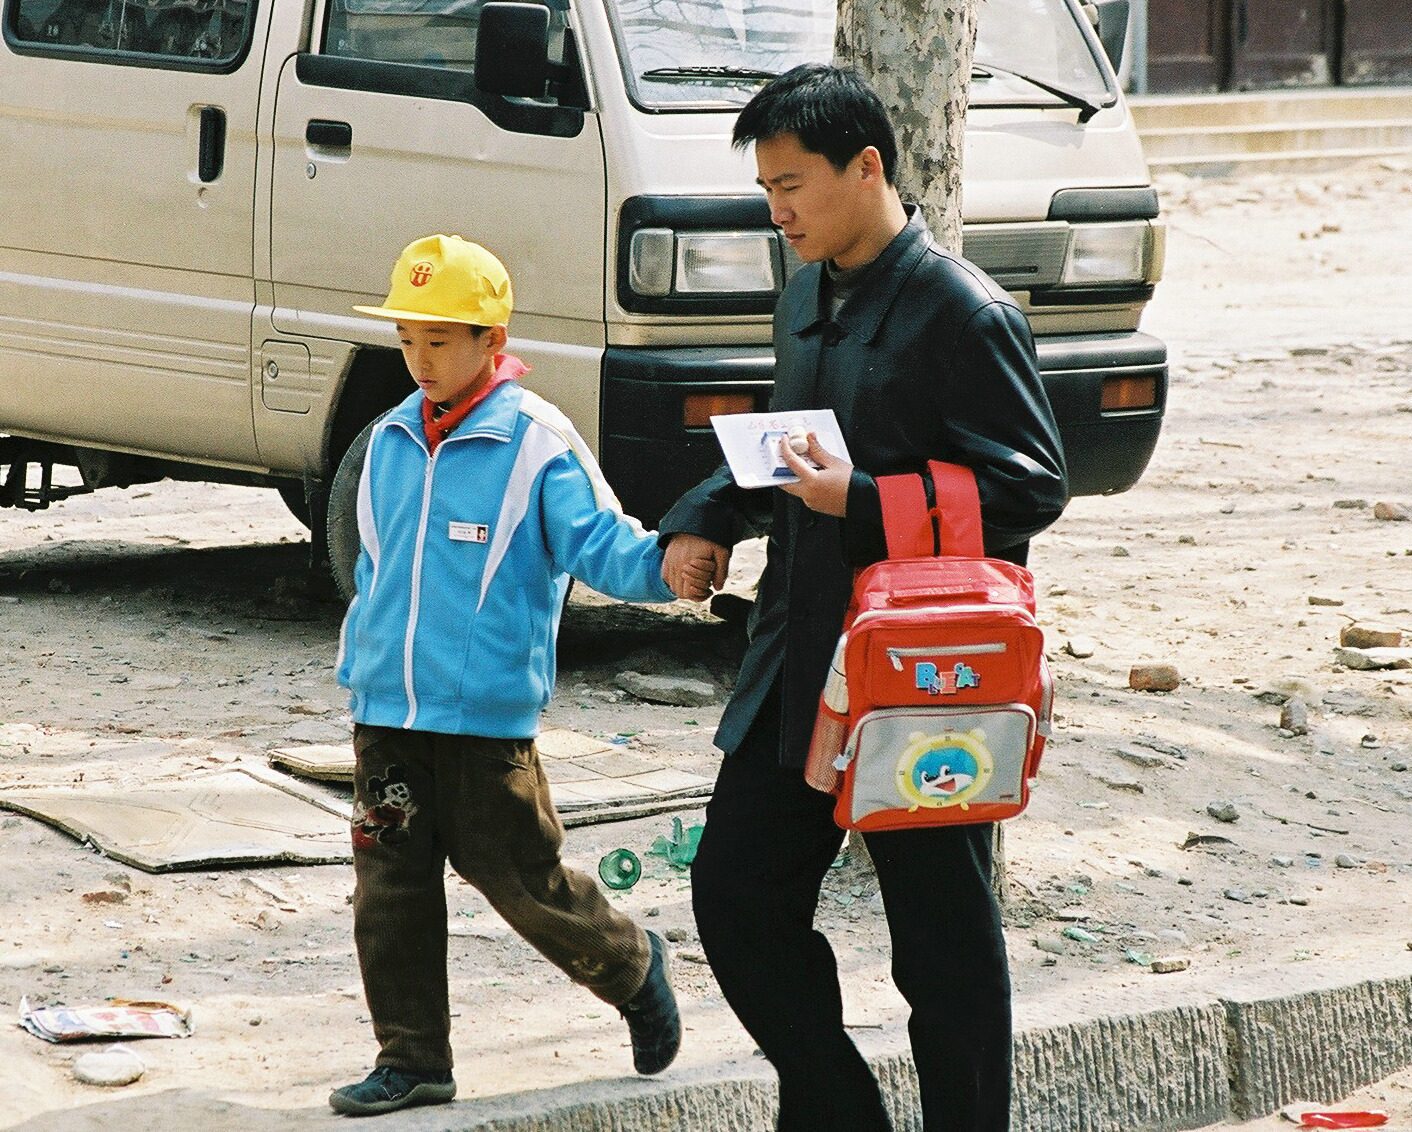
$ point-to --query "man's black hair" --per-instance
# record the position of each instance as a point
(831, 110)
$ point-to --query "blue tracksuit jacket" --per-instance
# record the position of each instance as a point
(466, 556)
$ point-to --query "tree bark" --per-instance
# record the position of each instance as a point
(917, 55)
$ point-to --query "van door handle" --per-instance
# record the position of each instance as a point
(329, 135)
(211, 158)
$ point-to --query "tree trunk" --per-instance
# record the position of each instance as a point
(917, 55)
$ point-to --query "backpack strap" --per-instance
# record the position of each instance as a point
(958, 510)
(938, 513)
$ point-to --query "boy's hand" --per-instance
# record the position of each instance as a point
(823, 489)
(693, 565)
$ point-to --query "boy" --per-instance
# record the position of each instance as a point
(478, 499)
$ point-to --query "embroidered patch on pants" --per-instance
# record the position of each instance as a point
(387, 817)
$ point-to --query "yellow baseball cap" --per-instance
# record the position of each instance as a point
(447, 279)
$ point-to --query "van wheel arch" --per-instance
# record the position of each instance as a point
(342, 521)
(377, 380)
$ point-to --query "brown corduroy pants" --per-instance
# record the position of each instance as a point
(421, 799)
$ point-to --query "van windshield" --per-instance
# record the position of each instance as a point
(715, 54)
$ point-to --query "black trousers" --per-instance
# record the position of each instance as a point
(768, 841)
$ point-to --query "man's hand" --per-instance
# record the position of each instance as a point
(823, 489)
(693, 565)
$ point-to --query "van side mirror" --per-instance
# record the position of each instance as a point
(512, 50)
(1110, 18)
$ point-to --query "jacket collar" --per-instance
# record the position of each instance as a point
(862, 315)
(495, 417)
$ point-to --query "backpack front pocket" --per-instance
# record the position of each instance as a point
(914, 766)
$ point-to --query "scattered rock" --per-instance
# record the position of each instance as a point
(1120, 552)
(1116, 782)
(1239, 895)
(1279, 690)
(1282, 862)
(111, 1067)
(1369, 659)
(1391, 512)
(1294, 716)
(675, 690)
(104, 896)
(1223, 811)
(1080, 647)
(1344, 861)
(1153, 678)
(1195, 839)
(1316, 599)
(1140, 758)
(1161, 746)
(1052, 946)
(1169, 966)
(1368, 635)
(677, 935)
(1351, 504)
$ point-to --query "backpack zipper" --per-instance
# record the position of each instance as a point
(896, 654)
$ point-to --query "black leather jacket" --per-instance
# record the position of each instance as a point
(927, 359)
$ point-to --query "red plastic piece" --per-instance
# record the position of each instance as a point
(1370, 1119)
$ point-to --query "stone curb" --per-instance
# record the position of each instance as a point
(1182, 1067)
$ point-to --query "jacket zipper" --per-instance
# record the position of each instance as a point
(416, 599)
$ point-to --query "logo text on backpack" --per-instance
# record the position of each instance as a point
(935, 682)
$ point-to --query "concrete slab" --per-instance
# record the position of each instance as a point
(227, 818)
(589, 779)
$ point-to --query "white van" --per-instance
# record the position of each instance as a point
(197, 192)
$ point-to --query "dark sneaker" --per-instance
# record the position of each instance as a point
(387, 1089)
(653, 1021)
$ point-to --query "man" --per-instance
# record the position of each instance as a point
(921, 356)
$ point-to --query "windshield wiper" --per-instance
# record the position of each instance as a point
(1086, 106)
(711, 74)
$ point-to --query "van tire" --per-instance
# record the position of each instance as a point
(342, 521)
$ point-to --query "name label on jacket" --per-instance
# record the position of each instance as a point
(469, 532)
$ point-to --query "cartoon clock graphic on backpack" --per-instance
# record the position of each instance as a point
(944, 770)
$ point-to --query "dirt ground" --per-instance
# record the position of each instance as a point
(161, 631)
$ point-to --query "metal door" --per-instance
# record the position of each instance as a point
(1187, 45)
(1377, 42)
(1282, 43)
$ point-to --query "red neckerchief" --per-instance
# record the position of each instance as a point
(507, 368)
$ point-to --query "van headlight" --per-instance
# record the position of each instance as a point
(663, 262)
(1107, 253)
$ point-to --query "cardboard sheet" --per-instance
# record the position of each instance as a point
(590, 779)
(226, 818)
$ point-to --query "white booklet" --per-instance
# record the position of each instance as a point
(751, 442)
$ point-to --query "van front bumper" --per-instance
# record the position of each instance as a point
(650, 457)
(1106, 451)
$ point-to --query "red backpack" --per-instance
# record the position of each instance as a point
(939, 701)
